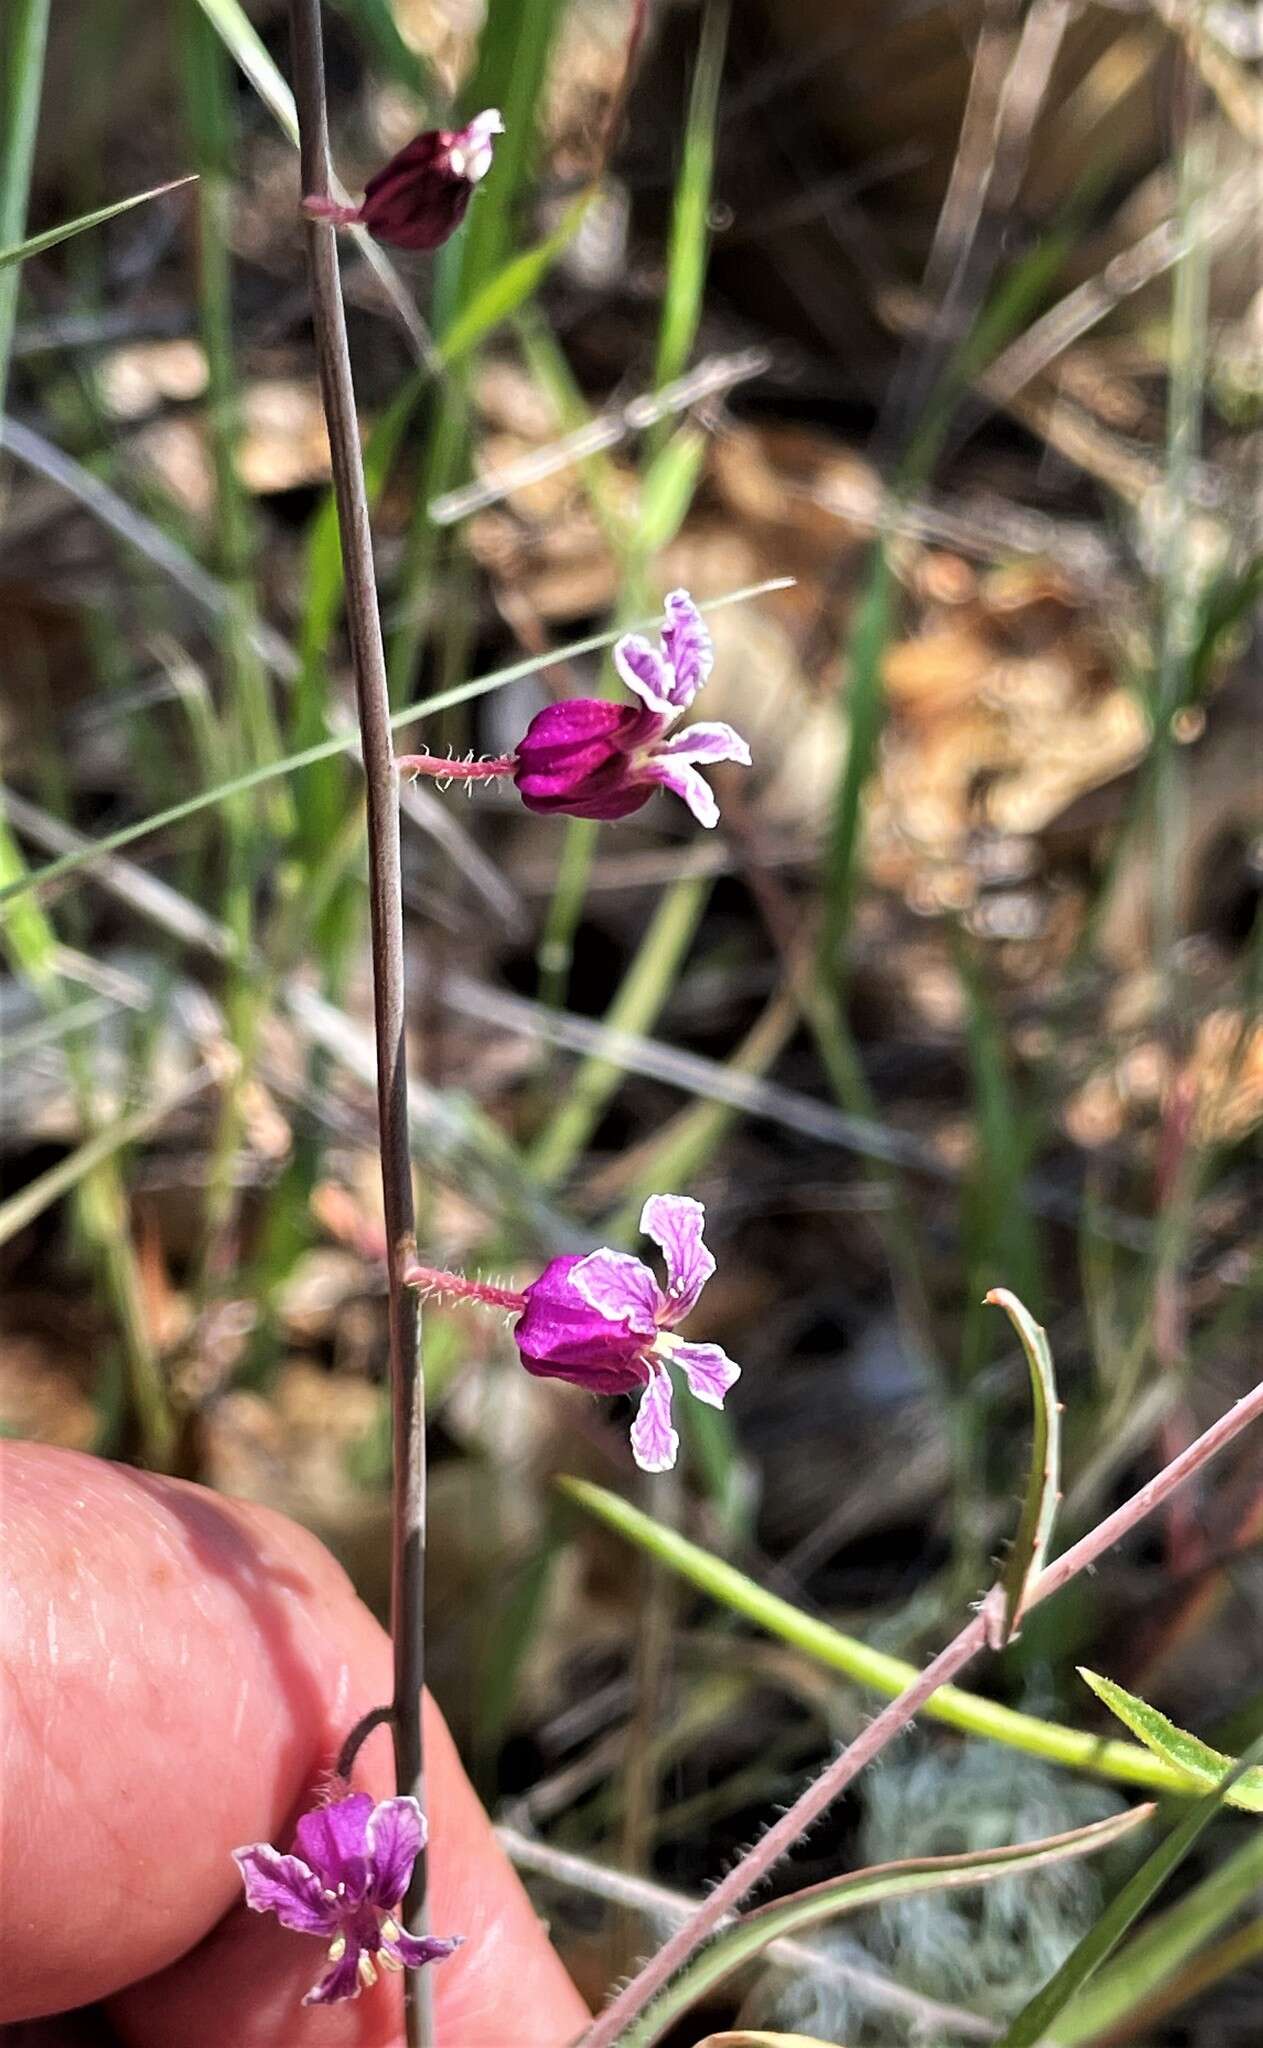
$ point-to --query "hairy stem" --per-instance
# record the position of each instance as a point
(386, 918)
(432, 1280)
(983, 1631)
(445, 770)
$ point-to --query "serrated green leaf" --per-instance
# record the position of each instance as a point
(1043, 1485)
(740, 1944)
(1184, 1752)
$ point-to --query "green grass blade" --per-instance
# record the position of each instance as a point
(997, 1227)
(678, 1152)
(509, 288)
(326, 750)
(36, 244)
(1149, 1963)
(391, 52)
(1043, 1485)
(100, 1201)
(689, 245)
(741, 1944)
(513, 55)
(865, 716)
(1036, 2017)
(40, 1194)
(668, 489)
(646, 986)
(242, 40)
(1184, 1752)
(26, 31)
(1125, 1762)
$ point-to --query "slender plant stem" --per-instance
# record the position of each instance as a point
(445, 770)
(386, 918)
(979, 1633)
(433, 1280)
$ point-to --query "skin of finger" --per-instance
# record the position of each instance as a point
(178, 1668)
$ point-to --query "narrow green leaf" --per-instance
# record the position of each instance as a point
(668, 487)
(68, 1174)
(1036, 2017)
(689, 245)
(1184, 1752)
(1128, 1763)
(865, 716)
(508, 288)
(36, 244)
(1043, 1485)
(376, 23)
(229, 20)
(637, 1005)
(739, 1945)
(1157, 1955)
(21, 86)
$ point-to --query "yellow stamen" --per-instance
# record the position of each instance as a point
(337, 1948)
(366, 1970)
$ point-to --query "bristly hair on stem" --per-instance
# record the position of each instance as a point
(386, 919)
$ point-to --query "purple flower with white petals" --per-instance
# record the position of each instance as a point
(605, 1323)
(345, 1881)
(591, 759)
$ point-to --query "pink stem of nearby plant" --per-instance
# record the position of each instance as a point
(407, 1576)
(444, 770)
(975, 1636)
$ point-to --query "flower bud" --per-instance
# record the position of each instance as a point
(419, 198)
(578, 757)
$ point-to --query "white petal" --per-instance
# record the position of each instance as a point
(646, 674)
(715, 742)
(708, 1369)
(619, 1288)
(675, 1223)
(654, 1443)
(684, 782)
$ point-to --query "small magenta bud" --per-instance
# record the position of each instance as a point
(419, 198)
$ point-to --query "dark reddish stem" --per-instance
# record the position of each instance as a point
(407, 1575)
(455, 771)
(431, 1280)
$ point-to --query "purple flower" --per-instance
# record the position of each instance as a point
(591, 759)
(419, 198)
(605, 1323)
(345, 1883)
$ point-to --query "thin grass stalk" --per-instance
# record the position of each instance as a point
(386, 923)
(27, 36)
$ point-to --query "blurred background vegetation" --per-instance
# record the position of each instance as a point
(955, 317)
